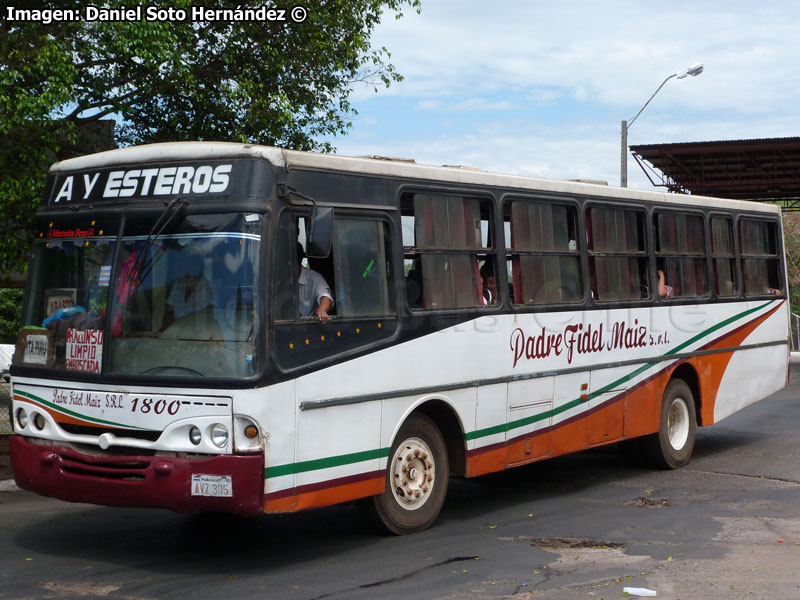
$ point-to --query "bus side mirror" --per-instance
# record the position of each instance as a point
(320, 231)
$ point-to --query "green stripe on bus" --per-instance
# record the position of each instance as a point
(506, 427)
(325, 463)
(346, 459)
(77, 415)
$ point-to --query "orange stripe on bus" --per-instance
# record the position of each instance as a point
(632, 414)
(326, 496)
(59, 417)
(711, 368)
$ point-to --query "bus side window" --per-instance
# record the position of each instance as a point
(542, 244)
(724, 260)
(758, 243)
(681, 253)
(362, 267)
(617, 253)
(284, 305)
(443, 253)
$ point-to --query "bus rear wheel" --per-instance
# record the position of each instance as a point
(671, 447)
(416, 480)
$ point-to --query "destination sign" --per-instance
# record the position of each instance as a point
(142, 182)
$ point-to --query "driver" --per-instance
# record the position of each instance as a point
(190, 293)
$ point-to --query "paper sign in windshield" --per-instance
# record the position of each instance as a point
(36, 348)
(85, 350)
(57, 299)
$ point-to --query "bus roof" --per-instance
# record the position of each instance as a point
(399, 168)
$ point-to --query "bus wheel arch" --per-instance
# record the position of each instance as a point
(416, 475)
(426, 448)
(687, 372)
(445, 418)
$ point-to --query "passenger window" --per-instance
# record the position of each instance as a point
(544, 256)
(723, 259)
(360, 252)
(680, 254)
(449, 251)
(758, 242)
(284, 305)
(357, 272)
(617, 253)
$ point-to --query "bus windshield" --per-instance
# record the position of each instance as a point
(183, 301)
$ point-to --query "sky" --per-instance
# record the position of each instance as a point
(540, 88)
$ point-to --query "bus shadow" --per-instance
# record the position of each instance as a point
(161, 541)
(715, 441)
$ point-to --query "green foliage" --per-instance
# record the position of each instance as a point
(277, 83)
(10, 303)
(791, 242)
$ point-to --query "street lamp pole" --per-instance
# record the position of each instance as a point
(694, 70)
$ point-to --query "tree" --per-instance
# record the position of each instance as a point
(281, 83)
(791, 243)
(10, 302)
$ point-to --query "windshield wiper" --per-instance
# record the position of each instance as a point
(173, 209)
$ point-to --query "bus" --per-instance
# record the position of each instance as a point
(477, 321)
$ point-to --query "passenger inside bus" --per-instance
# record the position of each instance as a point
(488, 283)
(414, 284)
(315, 293)
(189, 293)
(664, 290)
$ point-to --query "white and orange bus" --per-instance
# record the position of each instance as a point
(480, 321)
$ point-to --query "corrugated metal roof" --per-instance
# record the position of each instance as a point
(764, 169)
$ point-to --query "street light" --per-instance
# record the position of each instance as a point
(694, 70)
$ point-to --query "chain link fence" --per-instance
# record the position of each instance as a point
(5, 428)
(6, 351)
(5, 401)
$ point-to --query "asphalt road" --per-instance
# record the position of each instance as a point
(583, 526)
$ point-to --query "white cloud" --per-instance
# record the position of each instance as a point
(540, 88)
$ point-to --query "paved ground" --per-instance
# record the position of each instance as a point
(577, 527)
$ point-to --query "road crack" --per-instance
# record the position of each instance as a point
(746, 476)
(402, 577)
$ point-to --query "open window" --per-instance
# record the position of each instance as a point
(357, 271)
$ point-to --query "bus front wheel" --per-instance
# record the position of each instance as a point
(671, 447)
(416, 480)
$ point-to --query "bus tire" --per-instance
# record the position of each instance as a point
(416, 480)
(671, 447)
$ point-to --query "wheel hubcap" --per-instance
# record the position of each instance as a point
(678, 424)
(412, 473)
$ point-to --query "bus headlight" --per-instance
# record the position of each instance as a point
(38, 421)
(195, 436)
(22, 418)
(219, 435)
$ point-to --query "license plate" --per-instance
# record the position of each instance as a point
(217, 486)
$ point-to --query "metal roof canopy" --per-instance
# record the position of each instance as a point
(765, 170)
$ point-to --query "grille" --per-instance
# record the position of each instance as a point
(117, 470)
(151, 436)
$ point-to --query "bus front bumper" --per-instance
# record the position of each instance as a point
(179, 484)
